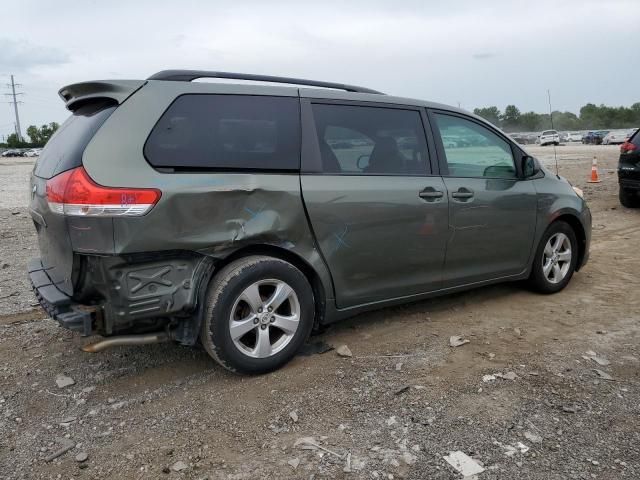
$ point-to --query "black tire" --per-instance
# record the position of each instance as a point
(223, 291)
(629, 199)
(537, 279)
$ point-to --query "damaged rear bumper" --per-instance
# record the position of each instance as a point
(129, 294)
(57, 304)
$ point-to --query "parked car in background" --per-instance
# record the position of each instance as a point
(600, 134)
(216, 221)
(531, 138)
(549, 137)
(574, 137)
(615, 137)
(629, 172)
(524, 138)
(595, 137)
(34, 152)
(564, 136)
(519, 137)
(13, 153)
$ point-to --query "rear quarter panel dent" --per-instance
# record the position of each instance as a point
(218, 221)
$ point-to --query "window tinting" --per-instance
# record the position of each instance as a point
(357, 140)
(227, 132)
(472, 150)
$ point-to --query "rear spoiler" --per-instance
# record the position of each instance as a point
(79, 93)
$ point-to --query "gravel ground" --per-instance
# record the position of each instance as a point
(18, 240)
(392, 410)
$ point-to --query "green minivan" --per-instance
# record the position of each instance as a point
(243, 215)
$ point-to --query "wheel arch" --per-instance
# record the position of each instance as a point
(318, 288)
(574, 222)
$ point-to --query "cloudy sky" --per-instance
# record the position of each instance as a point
(476, 53)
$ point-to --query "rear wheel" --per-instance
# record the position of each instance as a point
(259, 312)
(555, 259)
(629, 198)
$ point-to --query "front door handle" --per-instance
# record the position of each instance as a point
(462, 194)
(431, 194)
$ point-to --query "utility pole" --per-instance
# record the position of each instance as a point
(15, 102)
(550, 111)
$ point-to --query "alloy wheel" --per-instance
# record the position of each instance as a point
(556, 259)
(264, 318)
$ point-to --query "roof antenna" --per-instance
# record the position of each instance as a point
(555, 154)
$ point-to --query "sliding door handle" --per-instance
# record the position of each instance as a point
(462, 194)
(431, 193)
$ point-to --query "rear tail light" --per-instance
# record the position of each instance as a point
(627, 147)
(74, 193)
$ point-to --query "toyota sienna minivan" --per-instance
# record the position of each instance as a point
(243, 215)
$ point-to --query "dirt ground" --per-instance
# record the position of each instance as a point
(404, 399)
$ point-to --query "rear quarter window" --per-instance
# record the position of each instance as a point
(64, 150)
(227, 132)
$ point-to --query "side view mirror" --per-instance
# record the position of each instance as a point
(529, 166)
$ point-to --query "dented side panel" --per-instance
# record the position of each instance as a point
(211, 218)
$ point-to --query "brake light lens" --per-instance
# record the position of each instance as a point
(74, 193)
(627, 147)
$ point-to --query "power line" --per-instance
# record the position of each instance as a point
(15, 102)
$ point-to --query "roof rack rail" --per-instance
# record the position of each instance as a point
(189, 75)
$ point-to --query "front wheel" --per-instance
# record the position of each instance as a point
(555, 259)
(259, 312)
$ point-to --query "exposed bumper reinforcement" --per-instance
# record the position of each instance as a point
(57, 304)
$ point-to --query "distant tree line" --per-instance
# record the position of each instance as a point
(591, 117)
(38, 136)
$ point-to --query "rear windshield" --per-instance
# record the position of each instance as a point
(549, 132)
(635, 139)
(64, 151)
(227, 132)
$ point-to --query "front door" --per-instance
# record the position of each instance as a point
(379, 217)
(492, 212)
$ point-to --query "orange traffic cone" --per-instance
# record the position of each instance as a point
(595, 178)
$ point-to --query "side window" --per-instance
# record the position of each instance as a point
(358, 140)
(472, 150)
(231, 132)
